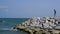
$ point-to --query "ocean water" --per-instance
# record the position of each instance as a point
(7, 23)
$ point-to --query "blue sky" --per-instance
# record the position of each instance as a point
(28, 8)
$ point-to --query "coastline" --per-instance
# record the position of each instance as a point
(37, 25)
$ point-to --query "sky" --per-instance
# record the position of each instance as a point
(28, 8)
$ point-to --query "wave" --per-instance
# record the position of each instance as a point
(10, 29)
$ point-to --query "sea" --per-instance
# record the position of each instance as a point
(6, 25)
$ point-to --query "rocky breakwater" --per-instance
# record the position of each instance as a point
(37, 25)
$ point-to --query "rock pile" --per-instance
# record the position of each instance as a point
(44, 22)
(37, 23)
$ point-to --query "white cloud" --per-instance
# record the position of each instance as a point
(3, 6)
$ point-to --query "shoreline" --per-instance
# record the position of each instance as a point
(37, 25)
